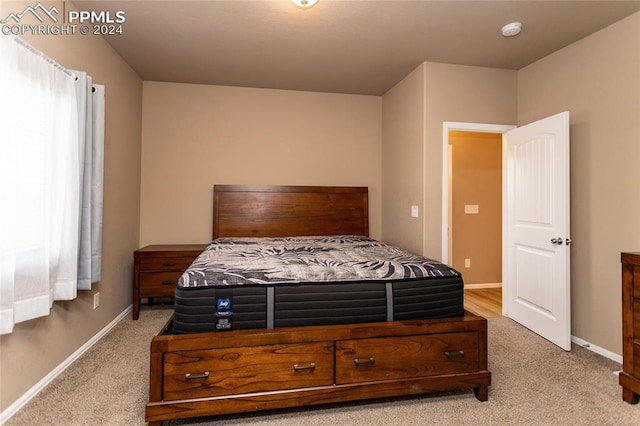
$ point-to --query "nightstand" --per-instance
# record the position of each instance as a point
(629, 378)
(156, 270)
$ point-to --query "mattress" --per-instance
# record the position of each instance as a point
(249, 283)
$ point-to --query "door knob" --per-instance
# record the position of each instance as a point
(557, 241)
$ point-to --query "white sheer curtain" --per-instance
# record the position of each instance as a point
(40, 184)
(91, 130)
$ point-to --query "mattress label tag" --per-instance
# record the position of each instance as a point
(223, 324)
(224, 303)
(223, 314)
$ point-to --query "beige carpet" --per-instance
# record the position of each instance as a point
(534, 383)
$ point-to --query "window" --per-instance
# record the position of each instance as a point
(46, 157)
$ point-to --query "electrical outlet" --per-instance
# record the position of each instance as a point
(96, 300)
(467, 263)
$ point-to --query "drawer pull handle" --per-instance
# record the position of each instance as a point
(311, 366)
(369, 361)
(168, 282)
(189, 376)
(454, 354)
(169, 264)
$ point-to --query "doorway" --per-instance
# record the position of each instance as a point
(536, 232)
(472, 210)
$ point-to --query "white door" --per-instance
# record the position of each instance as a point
(536, 275)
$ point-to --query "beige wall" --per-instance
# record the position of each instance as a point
(195, 136)
(413, 115)
(38, 346)
(402, 161)
(477, 180)
(598, 81)
(463, 94)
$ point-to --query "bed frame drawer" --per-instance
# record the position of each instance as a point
(367, 360)
(215, 372)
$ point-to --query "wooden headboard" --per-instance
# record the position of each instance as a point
(285, 211)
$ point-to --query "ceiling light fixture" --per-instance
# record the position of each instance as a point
(304, 4)
(512, 29)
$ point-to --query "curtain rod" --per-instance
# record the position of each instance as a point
(26, 45)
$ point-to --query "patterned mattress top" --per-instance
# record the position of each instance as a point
(293, 260)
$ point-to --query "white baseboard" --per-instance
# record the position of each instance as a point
(597, 349)
(35, 389)
(482, 285)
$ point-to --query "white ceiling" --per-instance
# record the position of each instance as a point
(357, 46)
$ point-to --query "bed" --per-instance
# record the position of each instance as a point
(277, 343)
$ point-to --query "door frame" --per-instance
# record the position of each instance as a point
(448, 126)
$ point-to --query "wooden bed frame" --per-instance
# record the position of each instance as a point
(208, 374)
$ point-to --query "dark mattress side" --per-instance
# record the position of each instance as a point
(209, 309)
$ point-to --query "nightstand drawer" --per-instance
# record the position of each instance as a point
(636, 360)
(636, 282)
(635, 315)
(158, 284)
(165, 264)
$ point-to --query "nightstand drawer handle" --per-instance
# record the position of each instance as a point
(311, 366)
(169, 264)
(190, 376)
(168, 282)
(370, 361)
(454, 354)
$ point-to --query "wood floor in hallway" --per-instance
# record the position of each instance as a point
(486, 302)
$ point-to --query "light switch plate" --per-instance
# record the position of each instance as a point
(414, 211)
(471, 209)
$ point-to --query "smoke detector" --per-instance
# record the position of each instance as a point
(512, 29)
